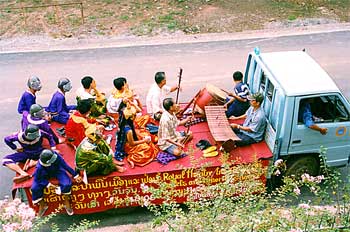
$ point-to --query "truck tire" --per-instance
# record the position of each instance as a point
(304, 164)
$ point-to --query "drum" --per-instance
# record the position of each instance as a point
(210, 95)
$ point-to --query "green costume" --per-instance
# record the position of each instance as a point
(95, 159)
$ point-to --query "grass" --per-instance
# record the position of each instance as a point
(144, 17)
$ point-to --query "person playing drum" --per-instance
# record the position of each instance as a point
(237, 104)
(156, 94)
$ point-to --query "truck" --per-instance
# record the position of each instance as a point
(286, 80)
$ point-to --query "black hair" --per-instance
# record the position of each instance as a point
(119, 82)
(86, 81)
(84, 106)
(167, 103)
(237, 76)
(159, 77)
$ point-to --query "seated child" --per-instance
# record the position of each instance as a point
(95, 156)
(31, 146)
(52, 165)
(37, 116)
(58, 107)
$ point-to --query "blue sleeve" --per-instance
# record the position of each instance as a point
(307, 116)
(40, 176)
(65, 166)
(49, 137)
(9, 140)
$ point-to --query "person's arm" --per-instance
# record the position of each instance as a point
(132, 142)
(9, 140)
(322, 130)
(66, 167)
(174, 88)
(50, 138)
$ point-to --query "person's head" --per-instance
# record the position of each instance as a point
(119, 82)
(93, 133)
(64, 85)
(34, 83)
(47, 157)
(32, 132)
(237, 76)
(160, 79)
(129, 112)
(256, 99)
(169, 104)
(84, 106)
(87, 81)
(37, 111)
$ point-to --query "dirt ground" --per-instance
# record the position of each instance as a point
(100, 18)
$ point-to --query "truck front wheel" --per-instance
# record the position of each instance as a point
(305, 164)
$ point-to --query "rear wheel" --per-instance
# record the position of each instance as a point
(305, 164)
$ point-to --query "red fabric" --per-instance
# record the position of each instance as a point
(97, 195)
(76, 131)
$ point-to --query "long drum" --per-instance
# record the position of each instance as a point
(209, 96)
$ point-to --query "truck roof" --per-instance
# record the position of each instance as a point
(298, 73)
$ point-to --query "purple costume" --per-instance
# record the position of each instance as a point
(31, 149)
(41, 123)
(59, 109)
(58, 170)
(26, 101)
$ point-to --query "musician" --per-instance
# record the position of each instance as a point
(156, 94)
(95, 156)
(52, 165)
(121, 94)
(58, 108)
(89, 91)
(253, 128)
(78, 122)
(237, 104)
(30, 142)
(135, 144)
(28, 98)
(170, 140)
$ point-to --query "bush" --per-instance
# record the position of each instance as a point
(245, 205)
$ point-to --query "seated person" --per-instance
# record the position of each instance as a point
(136, 145)
(52, 165)
(58, 108)
(39, 117)
(89, 91)
(306, 116)
(78, 122)
(156, 94)
(121, 94)
(31, 146)
(253, 128)
(238, 104)
(95, 156)
(28, 98)
(170, 140)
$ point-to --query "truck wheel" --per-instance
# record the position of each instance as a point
(307, 164)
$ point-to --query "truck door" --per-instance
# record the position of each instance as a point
(329, 111)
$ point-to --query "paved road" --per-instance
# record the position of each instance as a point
(207, 62)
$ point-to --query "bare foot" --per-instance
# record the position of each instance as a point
(120, 169)
(132, 165)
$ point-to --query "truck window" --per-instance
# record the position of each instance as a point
(324, 109)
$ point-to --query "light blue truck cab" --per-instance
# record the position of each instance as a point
(288, 80)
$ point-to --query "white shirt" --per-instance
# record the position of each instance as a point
(155, 97)
(82, 94)
(113, 104)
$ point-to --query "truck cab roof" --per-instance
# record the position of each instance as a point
(297, 73)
